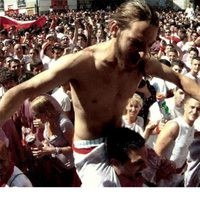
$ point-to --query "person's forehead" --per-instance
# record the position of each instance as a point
(176, 67)
(143, 30)
(193, 102)
(8, 59)
(172, 53)
(194, 61)
(18, 46)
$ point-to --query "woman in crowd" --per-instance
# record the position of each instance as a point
(58, 134)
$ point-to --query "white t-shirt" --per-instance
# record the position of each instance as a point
(63, 99)
(137, 126)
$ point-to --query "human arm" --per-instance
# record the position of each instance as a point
(155, 68)
(168, 134)
(66, 68)
(149, 129)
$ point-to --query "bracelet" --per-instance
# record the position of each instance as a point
(57, 150)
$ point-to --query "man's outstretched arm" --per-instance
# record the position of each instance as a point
(64, 69)
(155, 68)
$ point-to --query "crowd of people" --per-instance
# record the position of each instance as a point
(101, 99)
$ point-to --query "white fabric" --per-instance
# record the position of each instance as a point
(192, 174)
(63, 99)
(178, 150)
(25, 58)
(60, 141)
(2, 91)
(137, 126)
(46, 61)
(18, 179)
(159, 85)
(189, 75)
(154, 116)
(94, 170)
(174, 110)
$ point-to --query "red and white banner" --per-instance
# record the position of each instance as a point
(6, 22)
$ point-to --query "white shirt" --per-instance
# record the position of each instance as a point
(94, 169)
(63, 99)
(18, 179)
(137, 126)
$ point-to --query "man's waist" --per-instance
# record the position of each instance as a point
(86, 146)
(88, 143)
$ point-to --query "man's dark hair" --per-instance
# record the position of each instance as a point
(194, 49)
(180, 63)
(8, 75)
(196, 58)
(25, 76)
(121, 141)
(165, 62)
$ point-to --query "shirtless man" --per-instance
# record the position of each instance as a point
(102, 77)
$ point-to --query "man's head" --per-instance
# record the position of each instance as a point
(65, 42)
(172, 55)
(193, 52)
(126, 152)
(191, 110)
(134, 106)
(195, 66)
(57, 52)
(82, 40)
(178, 66)
(8, 79)
(36, 67)
(135, 27)
(18, 50)
(16, 66)
(132, 11)
(7, 61)
(179, 97)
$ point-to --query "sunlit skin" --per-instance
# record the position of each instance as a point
(134, 43)
(179, 96)
(133, 108)
(102, 77)
(195, 67)
(191, 111)
(171, 130)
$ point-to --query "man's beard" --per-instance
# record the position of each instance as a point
(127, 59)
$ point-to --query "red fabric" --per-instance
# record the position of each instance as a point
(83, 150)
(172, 38)
(3, 182)
(7, 22)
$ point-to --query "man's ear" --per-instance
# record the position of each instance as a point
(114, 28)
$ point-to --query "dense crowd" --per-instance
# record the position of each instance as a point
(37, 140)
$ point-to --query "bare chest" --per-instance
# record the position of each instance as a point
(105, 91)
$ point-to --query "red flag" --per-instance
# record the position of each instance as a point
(6, 22)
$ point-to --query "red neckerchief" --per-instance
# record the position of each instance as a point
(4, 182)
